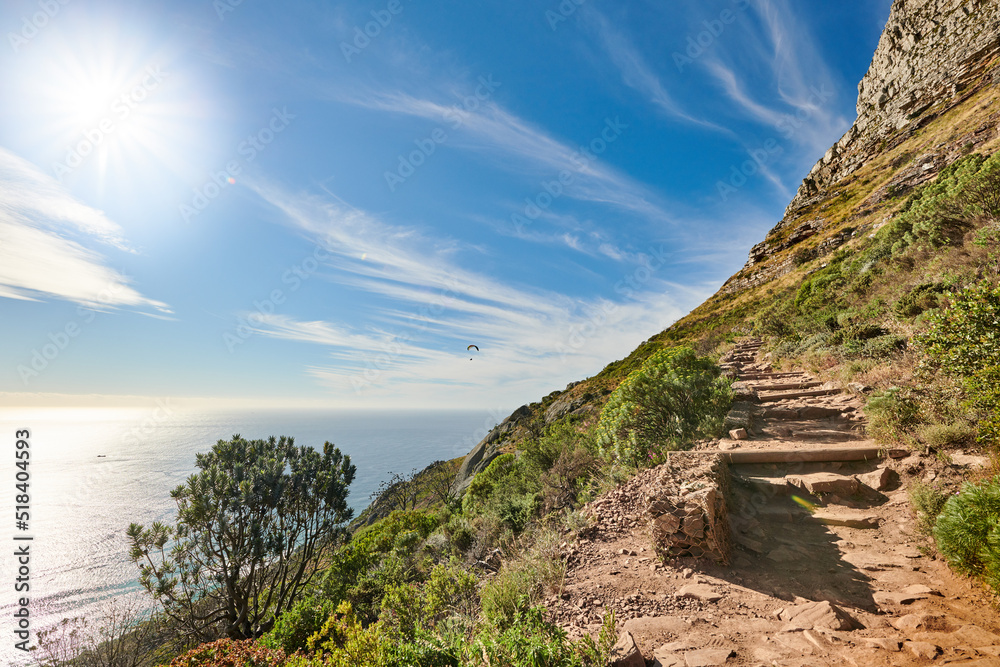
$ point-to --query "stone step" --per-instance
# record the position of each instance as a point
(806, 412)
(814, 455)
(799, 394)
(771, 486)
(775, 376)
(784, 386)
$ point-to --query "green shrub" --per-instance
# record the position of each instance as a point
(484, 482)
(674, 398)
(230, 653)
(449, 589)
(963, 342)
(927, 502)
(530, 641)
(460, 533)
(968, 531)
(890, 413)
(293, 628)
(945, 435)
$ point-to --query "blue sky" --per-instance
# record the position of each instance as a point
(325, 203)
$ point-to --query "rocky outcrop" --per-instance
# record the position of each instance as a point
(488, 449)
(929, 54)
(932, 56)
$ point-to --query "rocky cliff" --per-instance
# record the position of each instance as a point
(933, 56)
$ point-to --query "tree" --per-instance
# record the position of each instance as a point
(252, 527)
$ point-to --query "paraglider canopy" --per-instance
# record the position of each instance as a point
(476, 347)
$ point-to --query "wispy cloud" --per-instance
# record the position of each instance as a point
(636, 72)
(494, 130)
(796, 78)
(425, 307)
(42, 253)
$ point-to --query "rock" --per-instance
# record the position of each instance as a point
(738, 434)
(707, 657)
(784, 554)
(825, 482)
(858, 388)
(880, 479)
(885, 644)
(817, 615)
(967, 461)
(831, 517)
(653, 625)
(487, 449)
(701, 592)
(924, 650)
(625, 653)
(907, 595)
(922, 622)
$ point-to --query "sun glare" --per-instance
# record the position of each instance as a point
(109, 104)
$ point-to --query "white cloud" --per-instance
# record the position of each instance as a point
(412, 348)
(496, 131)
(637, 74)
(38, 257)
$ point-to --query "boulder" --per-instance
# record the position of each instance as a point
(625, 653)
(880, 479)
(822, 615)
(487, 449)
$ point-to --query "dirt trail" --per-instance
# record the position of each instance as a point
(826, 567)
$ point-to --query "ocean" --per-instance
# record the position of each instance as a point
(94, 471)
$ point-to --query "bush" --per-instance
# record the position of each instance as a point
(963, 342)
(968, 531)
(945, 435)
(231, 653)
(483, 483)
(927, 502)
(672, 399)
(293, 628)
(890, 413)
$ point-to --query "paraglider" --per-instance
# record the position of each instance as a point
(471, 347)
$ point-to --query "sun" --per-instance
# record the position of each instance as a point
(108, 105)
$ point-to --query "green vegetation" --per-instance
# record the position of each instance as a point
(674, 398)
(968, 531)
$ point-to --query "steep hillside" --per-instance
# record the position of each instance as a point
(928, 99)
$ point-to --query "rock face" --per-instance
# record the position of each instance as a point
(488, 449)
(930, 51)
(932, 55)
